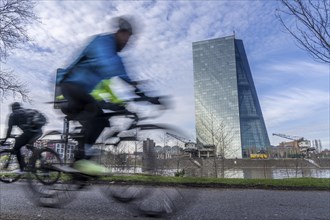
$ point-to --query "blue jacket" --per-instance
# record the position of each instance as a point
(98, 61)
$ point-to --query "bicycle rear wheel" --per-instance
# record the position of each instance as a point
(8, 164)
(42, 165)
(51, 183)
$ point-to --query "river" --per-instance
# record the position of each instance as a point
(243, 173)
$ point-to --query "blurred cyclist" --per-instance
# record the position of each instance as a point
(30, 121)
(82, 82)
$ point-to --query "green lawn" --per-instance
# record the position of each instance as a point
(291, 183)
(285, 184)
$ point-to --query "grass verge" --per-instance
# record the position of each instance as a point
(283, 184)
(280, 184)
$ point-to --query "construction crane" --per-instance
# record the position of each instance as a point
(187, 143)
(290, 137)
(303, 144)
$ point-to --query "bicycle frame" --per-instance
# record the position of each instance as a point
(62, 193)
(36, 162)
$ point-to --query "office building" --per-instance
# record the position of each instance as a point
(227, 110)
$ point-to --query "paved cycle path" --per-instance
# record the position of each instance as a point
(208, 204)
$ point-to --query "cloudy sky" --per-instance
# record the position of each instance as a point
(293, 89)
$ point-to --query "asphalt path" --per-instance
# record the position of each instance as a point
(200, 203)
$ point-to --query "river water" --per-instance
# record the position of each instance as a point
(268, 173)
(243, 173)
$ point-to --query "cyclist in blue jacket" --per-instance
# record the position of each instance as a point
(99, 61)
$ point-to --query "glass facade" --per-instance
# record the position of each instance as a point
(228, 114)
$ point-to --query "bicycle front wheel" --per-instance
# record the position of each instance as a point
(8, 166)
(149, 198)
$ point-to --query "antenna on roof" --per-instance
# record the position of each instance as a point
(234, 33)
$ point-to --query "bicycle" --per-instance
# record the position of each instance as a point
(37, 160)
(140, 198)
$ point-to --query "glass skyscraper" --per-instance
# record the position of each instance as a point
(227, 110)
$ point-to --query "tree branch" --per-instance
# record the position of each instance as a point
(15, 15)
(9, 85)
(311, 30)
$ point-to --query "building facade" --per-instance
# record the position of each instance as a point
(59, 147)
(148, 156)
(227, 110)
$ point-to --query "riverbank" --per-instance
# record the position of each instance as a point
(280, 184)
(305, 184)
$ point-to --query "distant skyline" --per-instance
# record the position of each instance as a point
(293, 89)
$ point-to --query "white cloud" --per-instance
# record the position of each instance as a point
(294, 104)
(301, 68)
(300, 112)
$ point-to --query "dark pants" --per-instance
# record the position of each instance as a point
(27, 137)
(84, 108)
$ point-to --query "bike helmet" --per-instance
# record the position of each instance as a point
(124, 25)
(15, 106)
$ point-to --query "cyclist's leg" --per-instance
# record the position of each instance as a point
(80, 105)
(35, 136)
(21, 141)
(89, 114)
(85, 110)
(80, 151)
(73, 108)
(93, 128)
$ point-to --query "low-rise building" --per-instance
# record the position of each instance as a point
(59, 147)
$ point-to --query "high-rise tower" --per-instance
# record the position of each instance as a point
(228, 114)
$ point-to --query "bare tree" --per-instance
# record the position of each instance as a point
(15, 15)
(222, 137)
(311, 26)
(164, 138)
(10, 85)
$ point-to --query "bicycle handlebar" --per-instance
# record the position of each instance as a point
(160, 101)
